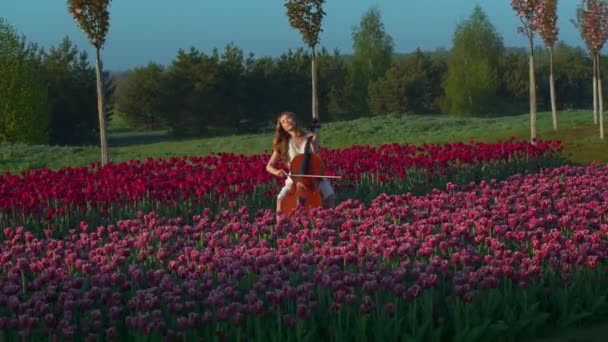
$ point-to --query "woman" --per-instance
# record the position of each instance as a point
(289, 141)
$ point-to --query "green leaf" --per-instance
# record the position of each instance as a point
(521, 324)
(598, 302)
(575, 318)
(422, 332)
(498, 327)
(541, 318)
(477, 332)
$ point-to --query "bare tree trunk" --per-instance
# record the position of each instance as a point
(315, 99)
(600, 96)
(552, 89)
(532, 94)
(101, 110)
(594, 89)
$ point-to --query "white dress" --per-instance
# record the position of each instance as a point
(292, 151)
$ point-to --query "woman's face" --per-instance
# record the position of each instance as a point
(288, 122)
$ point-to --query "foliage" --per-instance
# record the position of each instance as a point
(473, 76)
(93, 18)
(306, 16)
(514, 78)
(333, 71)
(72, 95)
(527, 11)
(248, 91)
(592, 24)
(261, 88)
(190, 96)
(546, 21)
(231, 88)
(372, 56)
(138, 97)
(407, 87)
(272, 85)
(24, 110)
(572, 70)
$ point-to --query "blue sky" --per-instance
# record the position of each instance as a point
(142, 31)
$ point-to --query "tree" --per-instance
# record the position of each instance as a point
(526, 11)
(71, 84)
(372, 56)
(191, 100)
(332, 88)
(547, 28)
(592, 22)
(138, 97)
(473, 79)
(573, 67)
(232, 87)
(514, 67)
(24, 110)
(93, 18)
(407, 87)
(261, 87)
(306, 16)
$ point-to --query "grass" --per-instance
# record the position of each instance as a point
(577, 131)
(585, 333)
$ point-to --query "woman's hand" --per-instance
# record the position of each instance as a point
(314, 143)
(280, 173)
(271, 169)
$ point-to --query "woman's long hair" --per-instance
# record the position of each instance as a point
(281, 137)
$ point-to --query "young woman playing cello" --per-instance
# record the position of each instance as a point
(289, 141)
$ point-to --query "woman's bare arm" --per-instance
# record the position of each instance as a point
(270, 165)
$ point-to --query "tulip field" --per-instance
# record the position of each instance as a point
(458, 242)
(52, 200)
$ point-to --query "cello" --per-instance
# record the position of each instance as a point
(306, 170)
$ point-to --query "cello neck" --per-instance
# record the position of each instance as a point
(306, 160)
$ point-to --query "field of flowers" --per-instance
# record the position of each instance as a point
(55, 199)
(469, 260)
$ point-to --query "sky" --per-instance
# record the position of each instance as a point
(143, 31)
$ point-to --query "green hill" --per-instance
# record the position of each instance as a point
(577, 131)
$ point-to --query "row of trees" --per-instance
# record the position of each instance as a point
(46, 97)
(540, 17)
(151, 97)
(478, 76)
(198, 93)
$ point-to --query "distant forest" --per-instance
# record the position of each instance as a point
(228, 91)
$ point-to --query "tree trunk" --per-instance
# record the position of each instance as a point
(600, 96)
(532, 94)
(315, 99)
(552, 89)
(100, 110)
(594, 90)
